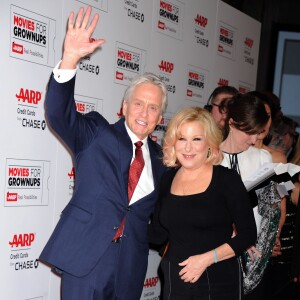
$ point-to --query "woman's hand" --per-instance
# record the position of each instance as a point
(277, 248)
(194, 266)
(252, 251)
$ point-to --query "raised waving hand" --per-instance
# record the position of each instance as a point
(78, 41)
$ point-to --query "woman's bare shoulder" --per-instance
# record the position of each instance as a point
(277, 156)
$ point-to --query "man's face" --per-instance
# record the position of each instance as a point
(215, 112)
(143, 111)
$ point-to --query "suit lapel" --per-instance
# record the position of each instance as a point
(125, 148)
(155, 161)
(126, 153)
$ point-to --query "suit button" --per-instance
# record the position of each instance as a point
(116, 227)
(128, 208)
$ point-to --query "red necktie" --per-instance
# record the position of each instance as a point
(135, 172)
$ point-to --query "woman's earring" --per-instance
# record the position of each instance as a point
(208, 152)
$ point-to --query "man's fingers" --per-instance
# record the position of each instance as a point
(79, 18)
(93, 25)
(86, 17)
(71, 21)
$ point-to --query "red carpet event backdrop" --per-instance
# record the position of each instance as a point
(193, 45)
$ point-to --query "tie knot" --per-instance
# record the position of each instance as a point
(138, 144)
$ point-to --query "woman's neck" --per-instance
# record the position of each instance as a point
(259, 144)
(229, 146)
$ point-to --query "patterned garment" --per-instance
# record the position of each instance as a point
(269, 209)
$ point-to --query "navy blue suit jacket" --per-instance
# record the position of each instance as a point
(102, 156)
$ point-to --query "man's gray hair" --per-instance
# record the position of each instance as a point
(148, 78)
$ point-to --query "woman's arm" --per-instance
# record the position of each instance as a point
(238, 204)
(195, 265)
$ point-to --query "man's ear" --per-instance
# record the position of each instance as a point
(124, 107)
(159, 119)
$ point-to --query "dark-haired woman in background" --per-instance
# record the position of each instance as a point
(246, 120)
(277, 157)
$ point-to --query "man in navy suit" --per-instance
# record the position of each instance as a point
(93, 263)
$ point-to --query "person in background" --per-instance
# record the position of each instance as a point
(100, 244)
(216, 103)
(199, 201)
(283, 135)
(283, 272)
(246, 120)
(277, 112)
(277, 157)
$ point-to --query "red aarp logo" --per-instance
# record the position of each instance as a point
(166, 66)
(151, 282)
(189, 93)
(11, 197)
(119, 75)
(22, 240)
(29, 96)
(249, 42)
(201, 21)
(223, 82)
(161, 25)
(72, 173)
(17, 48)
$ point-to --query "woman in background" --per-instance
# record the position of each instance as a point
(246, 120)
(277, 157)
(283, 272)
(199, 201)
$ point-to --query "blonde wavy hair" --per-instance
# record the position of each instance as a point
(211, 132)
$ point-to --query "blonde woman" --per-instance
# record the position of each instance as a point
(199, 202)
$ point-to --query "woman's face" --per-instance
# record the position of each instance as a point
(191, 146)
(266, 130)
(241, 141)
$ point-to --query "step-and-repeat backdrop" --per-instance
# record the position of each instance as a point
(193, 45)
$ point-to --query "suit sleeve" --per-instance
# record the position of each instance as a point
(75, 129)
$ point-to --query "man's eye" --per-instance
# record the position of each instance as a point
(154, 108)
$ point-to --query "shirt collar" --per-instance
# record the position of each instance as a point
(134, 138)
